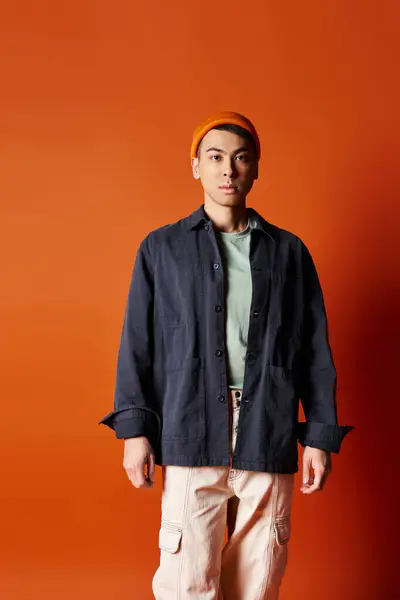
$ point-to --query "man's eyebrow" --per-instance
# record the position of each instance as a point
(241, 149)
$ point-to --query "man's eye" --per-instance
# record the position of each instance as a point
(242, 156)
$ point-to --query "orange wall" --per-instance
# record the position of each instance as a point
(97, 109)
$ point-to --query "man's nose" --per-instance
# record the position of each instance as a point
(229, 168)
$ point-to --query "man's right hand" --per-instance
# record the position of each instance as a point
(138, 452)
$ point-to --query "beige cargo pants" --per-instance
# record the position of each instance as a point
(197, 505)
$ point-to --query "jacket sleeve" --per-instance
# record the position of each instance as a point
(135, 413)
(315, 370)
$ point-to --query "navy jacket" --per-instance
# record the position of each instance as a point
(171, 380)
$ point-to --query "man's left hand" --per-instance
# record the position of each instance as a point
(319, 461)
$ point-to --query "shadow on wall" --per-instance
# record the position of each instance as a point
(372, 356)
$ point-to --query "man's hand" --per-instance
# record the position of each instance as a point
(138, 452)
(320, 461)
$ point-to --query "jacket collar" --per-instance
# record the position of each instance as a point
(199, 215)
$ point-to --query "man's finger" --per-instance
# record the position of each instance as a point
(315, 487)
(325, 477)
(136, 476)
(131, 476)
(151, 467)
(306, 471)
(141, 476)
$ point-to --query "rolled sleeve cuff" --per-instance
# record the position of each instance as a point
(132, 422)
(322, 435)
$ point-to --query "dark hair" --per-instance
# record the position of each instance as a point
(238, 130)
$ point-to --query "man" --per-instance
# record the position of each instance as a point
(224, 331)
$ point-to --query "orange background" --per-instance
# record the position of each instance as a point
(98, 104)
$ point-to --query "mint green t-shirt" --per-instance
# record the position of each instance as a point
(235, 248)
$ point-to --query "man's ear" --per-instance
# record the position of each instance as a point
(256, 171)
(195, 168)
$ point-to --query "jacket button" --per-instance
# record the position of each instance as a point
(251, 355)
(206, 226)
(256, 313)
(222, 398)
(218, 352)
(245, 400)
(216, 265)
(217, 308)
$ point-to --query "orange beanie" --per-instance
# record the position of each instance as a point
(221, 118)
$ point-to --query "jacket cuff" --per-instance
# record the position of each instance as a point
(322, 435)
(131, 422)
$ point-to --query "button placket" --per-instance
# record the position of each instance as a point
(220, 323)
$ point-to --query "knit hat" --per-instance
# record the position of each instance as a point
(221, 118)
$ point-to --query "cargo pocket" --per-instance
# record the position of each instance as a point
(279, 556)
(282, 530)
(166, 580)
(169, 537)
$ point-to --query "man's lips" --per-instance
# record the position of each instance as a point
(227, 187)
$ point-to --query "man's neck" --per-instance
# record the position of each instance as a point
(229, 219)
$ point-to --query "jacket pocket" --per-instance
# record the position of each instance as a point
(281, 410)
(281, 388)
(184, 399)
(282, 530)
(281, 375)
(169, 537)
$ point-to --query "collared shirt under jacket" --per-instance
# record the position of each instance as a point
(171, 380)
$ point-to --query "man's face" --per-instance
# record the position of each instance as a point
(225, 159)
